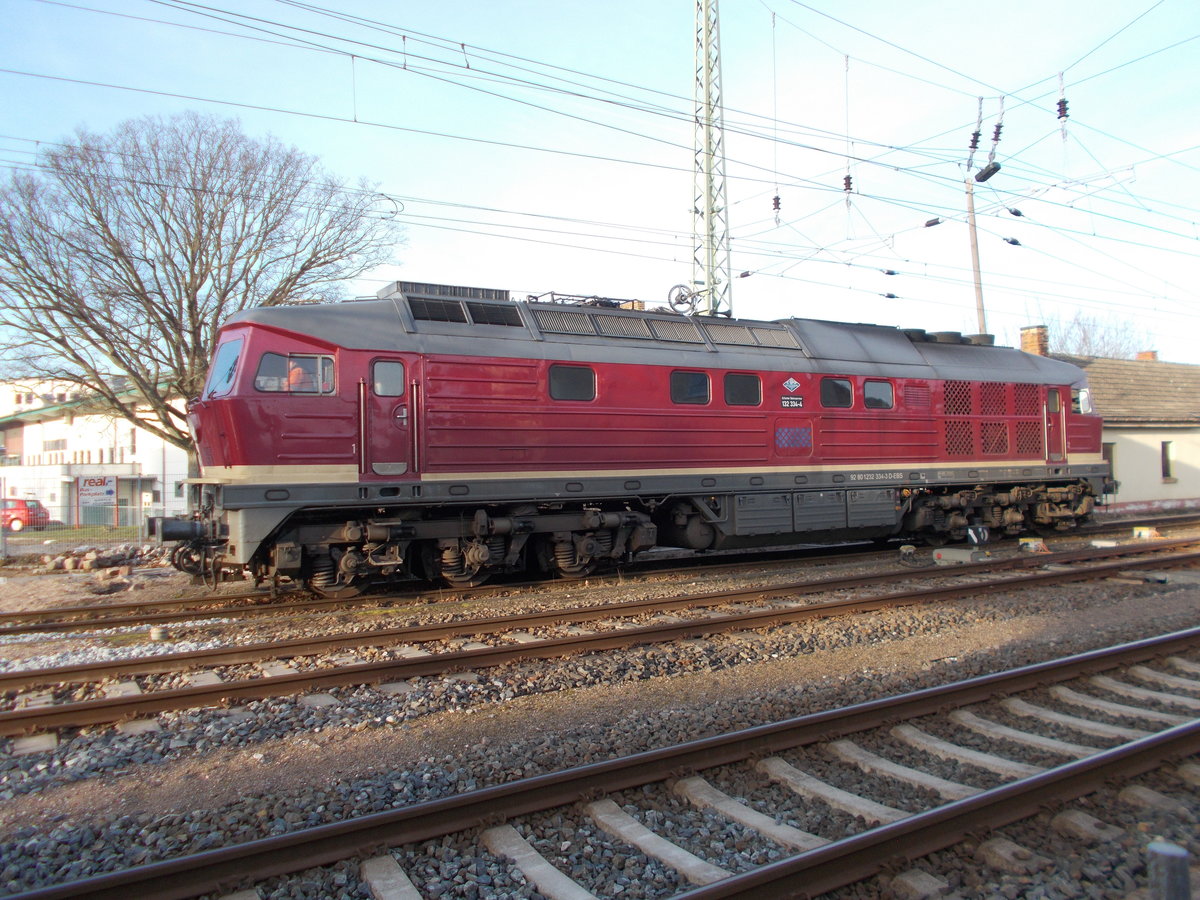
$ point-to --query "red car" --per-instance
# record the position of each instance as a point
(16, 514)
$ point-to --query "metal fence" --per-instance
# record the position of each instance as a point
(24, 533)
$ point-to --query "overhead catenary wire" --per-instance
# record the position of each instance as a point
(443, 41)
(879, 196)
(457, 225)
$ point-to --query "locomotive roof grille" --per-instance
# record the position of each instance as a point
(428, 310)
(774, 337)
(680, 331)
(730, 334)
(412, 289)
(439, 303)
(562, 321)
(622, 326)
(494, 314)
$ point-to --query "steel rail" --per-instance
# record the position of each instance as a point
(23, 615)
(859, 857)
(228, 868)
(25, 621)
(111, 709)
(174, 662)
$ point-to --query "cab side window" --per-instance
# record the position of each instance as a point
(294, 374)
(387, 378)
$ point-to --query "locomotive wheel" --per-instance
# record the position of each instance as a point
(1055, 530)
(567, 563)
(578, 571)
(337, 591)
(465, 581)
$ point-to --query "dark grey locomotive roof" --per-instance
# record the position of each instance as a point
(469, 321)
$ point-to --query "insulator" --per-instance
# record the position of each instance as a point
(996, 133)
(987, 171)
(1012, 241)
(775, 203)
(974, 140)
(1062, 108)
(931, 222)
(1014, 211)
(889, 271)
(847, 183)
(890, 296)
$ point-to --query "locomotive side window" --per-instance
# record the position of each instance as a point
(572, 383)
(294, 374)
(836, 393)
(878, 395)
(689, 387)
(220, 379)
(1053, 401)
(742, 390)
(387, 378)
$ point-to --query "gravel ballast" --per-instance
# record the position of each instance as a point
(106, 800)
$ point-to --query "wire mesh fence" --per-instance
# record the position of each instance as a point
(29, 528)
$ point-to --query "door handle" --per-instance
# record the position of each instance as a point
(401, 415)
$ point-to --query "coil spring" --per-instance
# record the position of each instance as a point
(604, 543)
(496, 548)
(324, 572)
(564, 554)
(452, 561)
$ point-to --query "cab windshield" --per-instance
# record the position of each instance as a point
(224, 367)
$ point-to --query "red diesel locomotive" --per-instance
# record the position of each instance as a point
(453, 433)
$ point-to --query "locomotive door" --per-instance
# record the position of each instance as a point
(1054, 425)
(389, 403)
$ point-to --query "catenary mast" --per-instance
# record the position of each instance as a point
(710, 262)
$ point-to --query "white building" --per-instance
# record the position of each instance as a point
(86, 467)
(1151, 435)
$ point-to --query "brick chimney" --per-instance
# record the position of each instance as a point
(1035, 339)
(1148, 355)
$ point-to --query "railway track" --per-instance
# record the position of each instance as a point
(614, 626)
(276, 603)
(162, 612)
(837, 796)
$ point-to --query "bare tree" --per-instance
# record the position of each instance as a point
(1088, 336)
(124, 253)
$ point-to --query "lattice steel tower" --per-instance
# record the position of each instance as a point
(710, 262)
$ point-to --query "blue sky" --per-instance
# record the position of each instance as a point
(547, 146)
